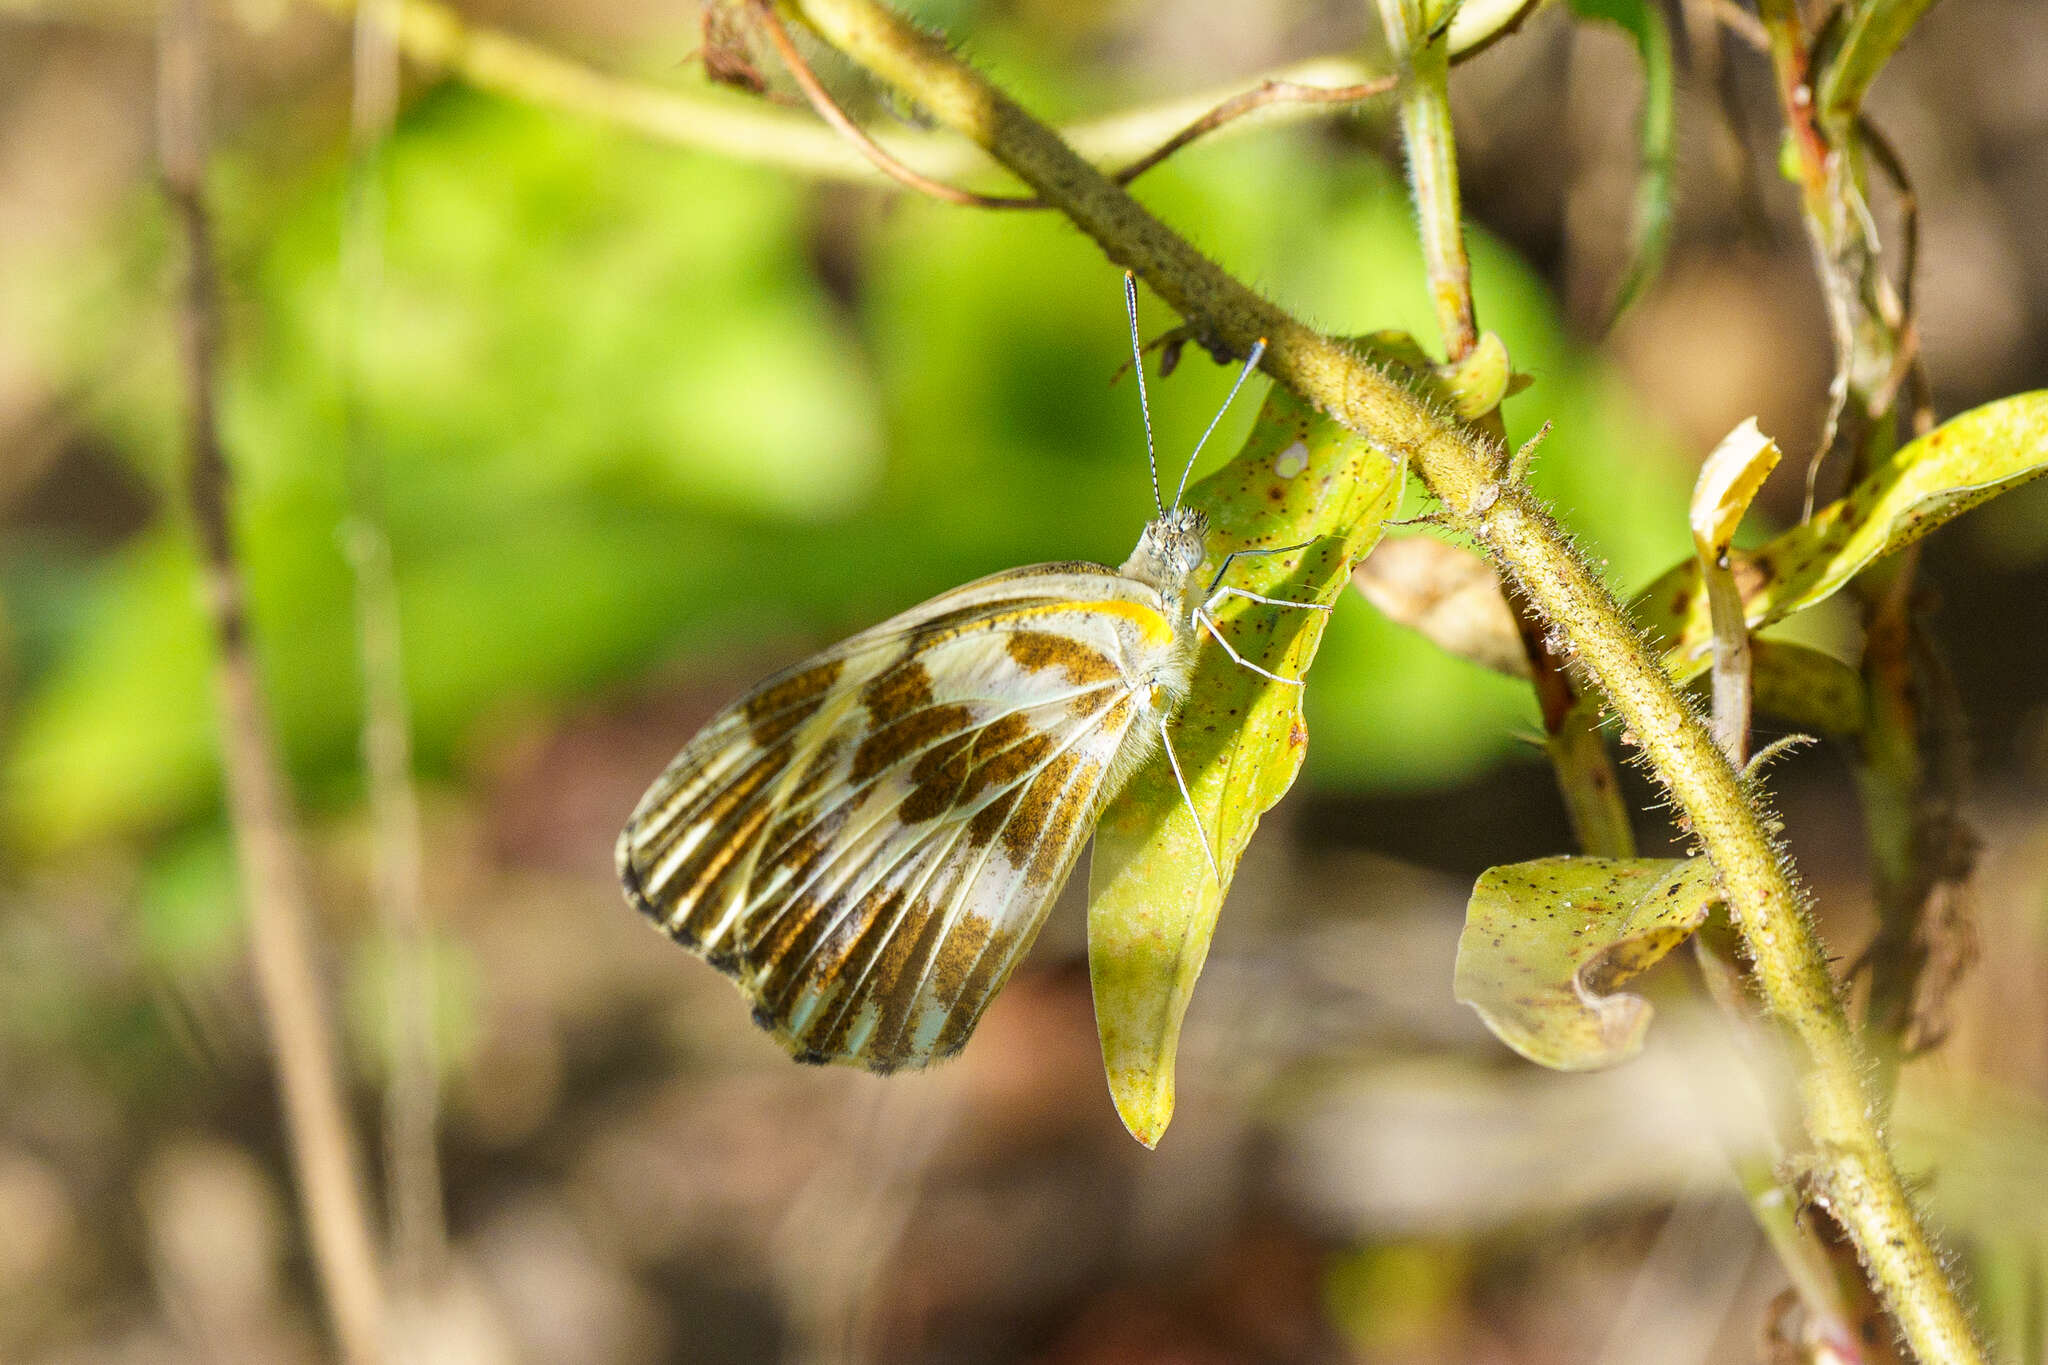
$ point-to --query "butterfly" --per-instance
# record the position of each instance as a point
(869, 841)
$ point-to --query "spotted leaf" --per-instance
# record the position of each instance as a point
(1240, 738)
(1548, 945)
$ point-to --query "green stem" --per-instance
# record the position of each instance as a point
(1433, 164)
(1870, 32)
(1731, 659)
(1587, 780)
(1796, 1241)
(1586, 777)
(1919, 845)
(1853, 1170)
(1863, 312)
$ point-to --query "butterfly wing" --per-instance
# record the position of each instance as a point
(869, 842)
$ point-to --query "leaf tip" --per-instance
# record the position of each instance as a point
(1144, 1101)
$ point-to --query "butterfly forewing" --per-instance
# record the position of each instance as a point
(869, 841)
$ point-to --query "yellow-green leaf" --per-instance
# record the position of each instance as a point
(1548, 945)
(1476, 24)
(1728, 482)
(1927, 482)
(1812, 691)
(1471, 388)
(1240, 738)
(1477, 384)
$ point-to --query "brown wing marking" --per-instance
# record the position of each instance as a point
(952, 761)
(943, 774)
(902, 972)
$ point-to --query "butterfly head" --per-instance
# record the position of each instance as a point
(1170, 551)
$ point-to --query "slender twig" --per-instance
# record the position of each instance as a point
(1879, 145)
(1852, 1170)
(412, 1172)
(1864, 314)
(1908, 767)
(752, 130)
(1237, 106)
(1266, 92)
(1911, 370)
(289, 989)
(1742, 24)
(829, 110)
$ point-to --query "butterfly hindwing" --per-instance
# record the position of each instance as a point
(869, 841)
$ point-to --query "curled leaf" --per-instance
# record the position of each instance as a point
(1727, 484)
(1926, 483)
(1477, 384)
(1477, 24)
(1548, 945)
(1240, 738)
(1471, 388)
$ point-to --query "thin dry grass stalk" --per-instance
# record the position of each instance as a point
(292, 998)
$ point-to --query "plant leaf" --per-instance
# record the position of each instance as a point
(1479, 383)
(1240, 738)
(1812, 690)
(1547, 945)
(1477, 24)
(1728, 482)
(1964, 462)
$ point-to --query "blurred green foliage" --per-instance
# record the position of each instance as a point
(627, 432)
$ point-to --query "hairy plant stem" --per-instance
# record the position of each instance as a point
(1823, 1290)
(1852, 1171)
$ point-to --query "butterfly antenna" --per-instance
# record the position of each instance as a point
(1138, 364)
(1251, 362)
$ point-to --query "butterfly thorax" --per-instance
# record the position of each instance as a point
(1167, 559)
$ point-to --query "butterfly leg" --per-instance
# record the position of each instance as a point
(1221, 593)
(1235, 555)
(1173, 761)
(1202, 615)
(1217, 592)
